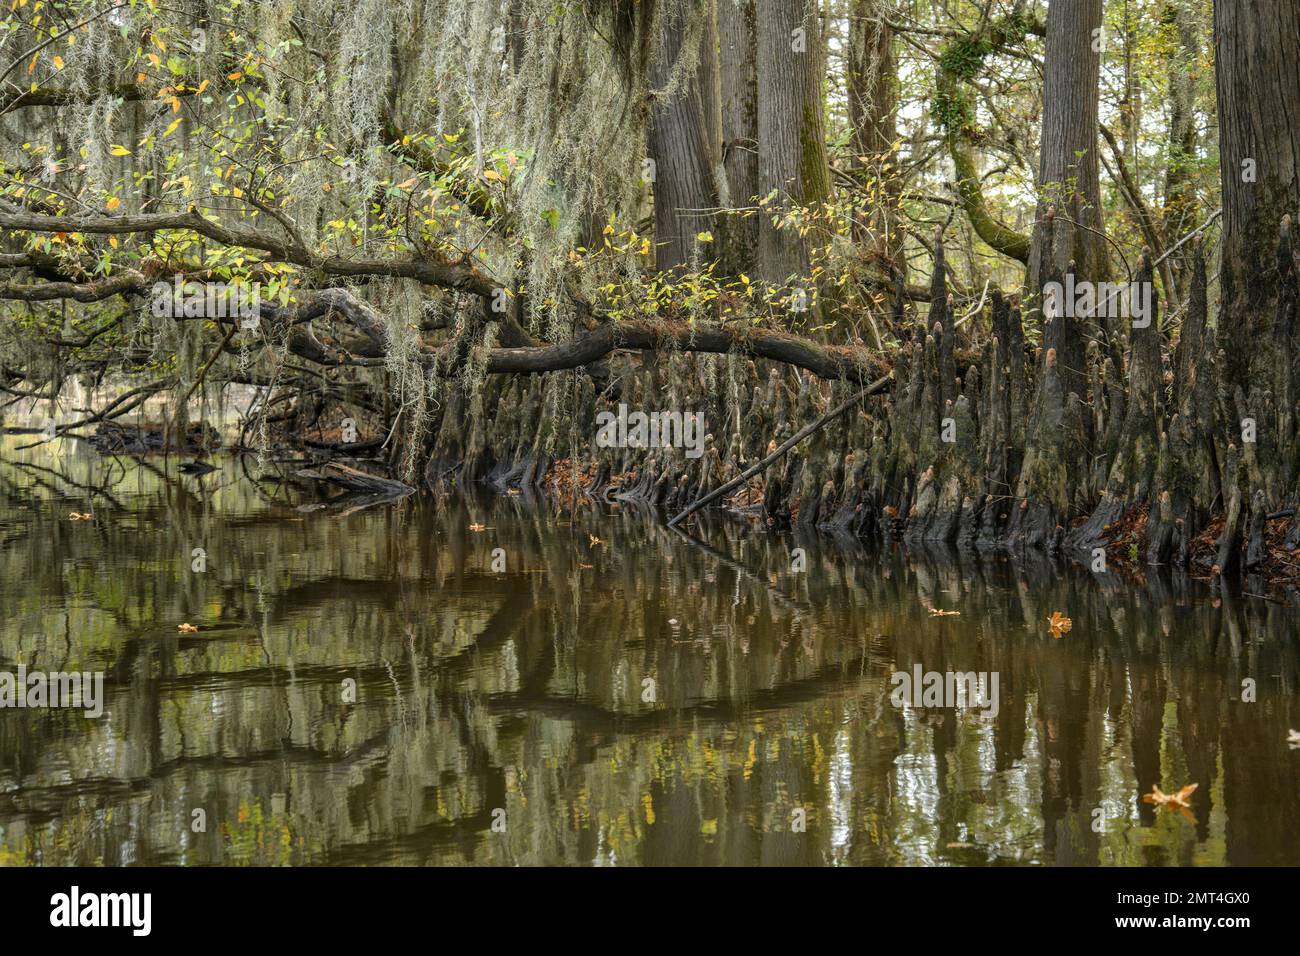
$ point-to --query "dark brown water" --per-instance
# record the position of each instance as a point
(505, 717)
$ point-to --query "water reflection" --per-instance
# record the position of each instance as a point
(625, 694)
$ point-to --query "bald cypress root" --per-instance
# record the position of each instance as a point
(1092, 438)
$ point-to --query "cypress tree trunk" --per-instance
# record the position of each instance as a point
(1053, 483)
(791, 136)
(1257, 45)
(738, 185)
(1258, 76)
(1181, 207)
(873, 108)
(1068, 175)
(681, 137)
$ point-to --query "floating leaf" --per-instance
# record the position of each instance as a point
(1059, 623)
(1171, 801)
(187, 628)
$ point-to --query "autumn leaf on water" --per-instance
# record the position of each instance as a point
(594, 540)
(187, 628)
(1059, 623)
(936, 612)
(477, 527)
(80, 516)
(1171, 801)
(1293, 739)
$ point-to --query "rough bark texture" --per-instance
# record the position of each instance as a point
(791, 136)
(682, 134)
(872, 79)
(1258, 73)
(1068, 176)
(738, 81)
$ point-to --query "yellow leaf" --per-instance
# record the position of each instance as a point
(113, 203)
(116, 150)
(58, 62)
(172, 127)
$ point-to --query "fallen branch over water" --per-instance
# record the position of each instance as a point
(825, 361)
(358, 482)
(875, 387)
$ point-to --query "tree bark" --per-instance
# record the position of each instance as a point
(873, 108)
(682, 132)
(1068, 175)
(1257, 75)
(791, 138)
(738, 186)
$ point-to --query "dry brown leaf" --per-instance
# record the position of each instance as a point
(477, 527)
(1059, 623)
(936, 612)
(187, 628)
(1172, 801)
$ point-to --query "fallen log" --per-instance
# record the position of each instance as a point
(358, 482)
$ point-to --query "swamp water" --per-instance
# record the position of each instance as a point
(365, 688)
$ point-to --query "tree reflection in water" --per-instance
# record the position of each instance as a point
(524, 690)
